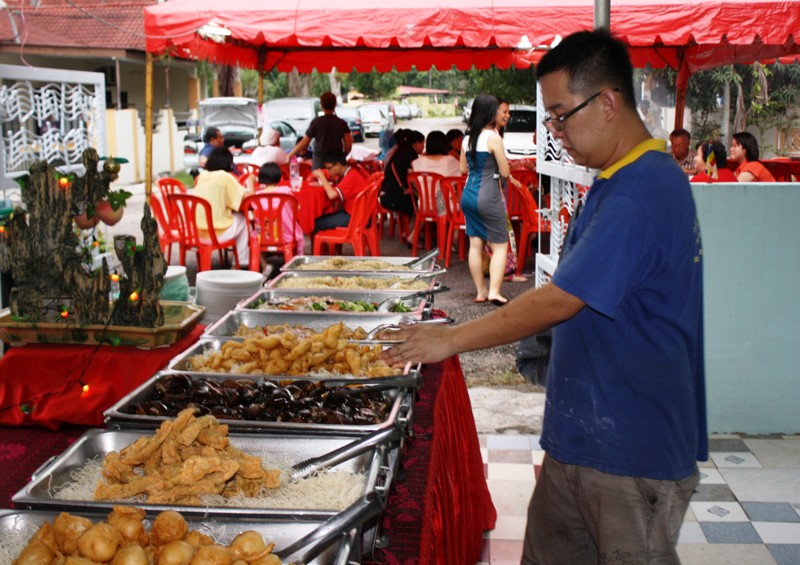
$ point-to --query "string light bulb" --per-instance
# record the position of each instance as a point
(114, 277)
(63, 182)
(134, 296)
(84, 389)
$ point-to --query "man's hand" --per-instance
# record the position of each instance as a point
(423, 343)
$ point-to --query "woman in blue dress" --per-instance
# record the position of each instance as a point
(483, 157)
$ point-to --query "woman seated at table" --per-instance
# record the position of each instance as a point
(707, 172)
(269, 178)
(222, 190)
(437, 160)
(347, 183)
(395, 194)
(744, 150)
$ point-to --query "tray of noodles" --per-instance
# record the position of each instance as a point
(355, 282)
(129, 535)
(194, 466)
(328, 263)
(289, 405)
(179, 319)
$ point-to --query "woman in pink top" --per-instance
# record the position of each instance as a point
(269, 175)
(744, 150)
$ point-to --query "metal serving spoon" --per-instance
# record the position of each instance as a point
(389, 304)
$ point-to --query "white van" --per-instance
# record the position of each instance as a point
(297, 112)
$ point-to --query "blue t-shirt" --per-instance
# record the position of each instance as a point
(626, 387)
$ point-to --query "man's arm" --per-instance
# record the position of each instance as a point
(330, 191)
(300, 147)
(532, 312)
(347, 143)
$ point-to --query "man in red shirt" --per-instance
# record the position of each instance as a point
(347, 183)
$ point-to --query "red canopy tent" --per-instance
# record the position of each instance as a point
(688, 35)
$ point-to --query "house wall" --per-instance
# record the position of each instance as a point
(751, 265)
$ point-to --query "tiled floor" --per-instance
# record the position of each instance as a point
(746, 509)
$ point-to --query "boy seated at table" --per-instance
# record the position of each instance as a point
(269, 179)
(347, 183)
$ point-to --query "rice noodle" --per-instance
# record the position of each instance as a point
(354, 282)
(344, 264)
(332, 490)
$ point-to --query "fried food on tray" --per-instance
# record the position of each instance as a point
(169, 542)
(185, 459)
(285, 353)
(345, 264)
(354, 282)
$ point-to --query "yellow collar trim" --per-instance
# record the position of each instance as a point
(652, 144)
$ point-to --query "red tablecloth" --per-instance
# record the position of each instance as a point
(43, 384)
(312, 202)
(439, 509)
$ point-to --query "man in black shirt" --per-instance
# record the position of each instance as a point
(328, 132)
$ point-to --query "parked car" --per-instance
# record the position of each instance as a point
(237, 119)
(467, 110)
(373, 119)
(351, 115)
(387, 108)
(416, 112)
(403, 111)
(519, 135)
(298, 112)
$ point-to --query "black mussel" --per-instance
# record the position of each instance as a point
(151, 408)
(173, 399)
(249, 395)
(224, 412)
(231, 396)
(172, 385)
(266, 386)
(206, 392)
(293, 390)
(253, 411)
(199, 409)
(328, 416)
(238, 384)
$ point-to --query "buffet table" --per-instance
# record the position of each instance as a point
(439, 506)
(43, 384)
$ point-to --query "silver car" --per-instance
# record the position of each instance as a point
(237, 119)
(519, 135)
(298, 112)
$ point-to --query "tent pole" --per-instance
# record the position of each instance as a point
(602, 14)
(148, 127)
(681, 84)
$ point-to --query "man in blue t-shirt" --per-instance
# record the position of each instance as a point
(625, 420)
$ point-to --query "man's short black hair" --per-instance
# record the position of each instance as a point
(334, 156)
(210, 134)
(328, 101)
(593, 60)
(269, 173)
(680, 132)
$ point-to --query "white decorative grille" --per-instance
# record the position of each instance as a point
(48, 114)
(568, 186)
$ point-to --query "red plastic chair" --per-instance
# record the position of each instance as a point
(423, 187)
(532, 223)
(167, 186)
(184, 209)
(452, 187)
(167, 234)
(265, 215)
(358, 231)
(248, 168)
(514, 203)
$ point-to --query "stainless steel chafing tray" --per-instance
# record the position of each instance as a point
(120, 416)
(341, 549)
(374, 281)
(410, 375)
(375, 463)
(306, 263)
(229, 324)
(419, 306)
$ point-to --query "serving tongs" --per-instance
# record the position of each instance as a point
(389, 304)
(423, 275)
(312, 544)
(371, 335)
(303, 469)
(422, 258)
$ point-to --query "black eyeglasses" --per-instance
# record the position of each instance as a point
(556, 123)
